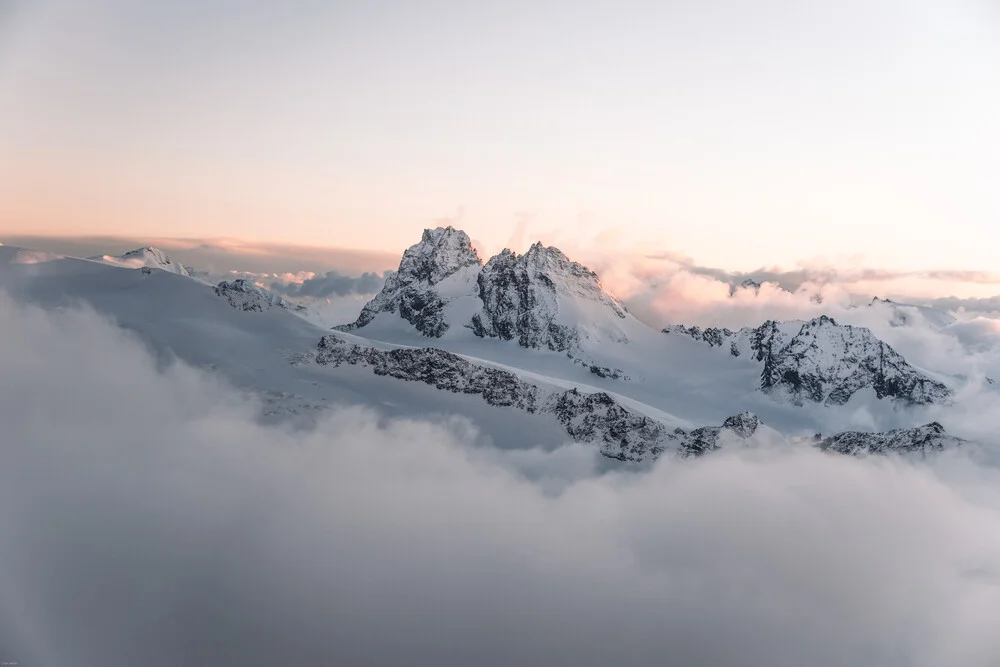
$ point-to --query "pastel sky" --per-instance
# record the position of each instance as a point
(740, 133)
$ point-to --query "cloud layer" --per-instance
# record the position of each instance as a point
(332, 283)
(145, 518)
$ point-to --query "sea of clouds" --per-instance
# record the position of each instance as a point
(147, 518)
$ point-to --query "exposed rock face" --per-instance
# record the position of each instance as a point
(521, 298)
(622, 433)
(244, 295)
(706, 439)
(825, 362)
(444, 370)
(713, 336)
(413, 290)
(924, 439)
(603, 371)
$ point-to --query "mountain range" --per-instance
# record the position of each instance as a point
(528, 347)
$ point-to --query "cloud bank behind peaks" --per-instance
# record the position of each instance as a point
(145, 518)
(332, 283)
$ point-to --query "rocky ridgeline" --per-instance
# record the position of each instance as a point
(924, 440)
(242, 294)
(822, 361)
(622, 433)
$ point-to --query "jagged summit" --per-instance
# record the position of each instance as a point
(431, 273)
(147, 257)
(743, 424)
(541, 298)
(748, 283)
(440, 253)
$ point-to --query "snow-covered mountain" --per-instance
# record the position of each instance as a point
(540, 300)
(243, 294)
(553, 356)
(432, 274)
(823, 362)
(148, 257)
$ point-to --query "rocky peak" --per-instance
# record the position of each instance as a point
(244, 295)
(707, 438)
(744, 424)
(553, 268)
(824, 362)
(541, 299)
(440, 253)
(828, 363)
(414, 289)
(536, 298)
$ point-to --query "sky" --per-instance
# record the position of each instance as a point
(740, 134)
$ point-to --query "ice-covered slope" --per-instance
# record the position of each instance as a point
(148, 257)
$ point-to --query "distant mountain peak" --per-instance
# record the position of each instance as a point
(147, 257)
(243, 294)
